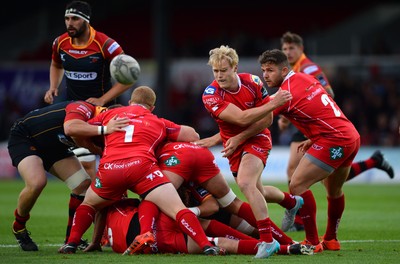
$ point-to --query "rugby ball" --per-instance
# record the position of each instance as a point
(124, 69)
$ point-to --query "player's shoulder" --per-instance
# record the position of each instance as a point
(60, 39)
(100, 36)
(211, 89)
(81, 106)
(250, 79)
(309, 67)
(108, 45)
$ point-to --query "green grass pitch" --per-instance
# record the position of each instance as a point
(369, 230)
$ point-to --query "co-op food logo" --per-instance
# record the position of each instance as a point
(81, 76)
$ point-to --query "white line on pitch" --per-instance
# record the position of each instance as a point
(341, 241)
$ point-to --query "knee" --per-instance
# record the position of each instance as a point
(296, 188)
(78, 182)
(37, 185)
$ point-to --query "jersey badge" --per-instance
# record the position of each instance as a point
(97, 183)
(209, 90)
(172, 161)
(336, 153)
(310, 69)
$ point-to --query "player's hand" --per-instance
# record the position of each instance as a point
(95, 101)
(304, 146)
(283, 123)
(117, 124)
(205, 142)
(230, 146)
(281, 97)
(93, 247)
(49, 95)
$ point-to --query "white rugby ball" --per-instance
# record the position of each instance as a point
(124, 69)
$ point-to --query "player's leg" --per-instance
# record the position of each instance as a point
(32, 172)
(70, 171)
(375, 161)
(186, 219)
(307, 174)
(294, 159)
(336, 203)
(84, 216)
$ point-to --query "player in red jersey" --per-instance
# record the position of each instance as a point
(242, 109)
(123, 219)
(39, 144)
(191, 165)
(129, 163)
(332, 144)
(292, 46)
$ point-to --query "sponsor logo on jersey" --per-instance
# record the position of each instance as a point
(209, 90)
(62, 56)
(81, 76)
(113, 47)
(336, 153)
(310, 69)
(94, 59)
(119, 166)
(79, 52)
(258, 149)
(314, 93)
(172, 161)
(256, 79)
(201, 191)
(211, 100)
(186, 145)
(316, 147)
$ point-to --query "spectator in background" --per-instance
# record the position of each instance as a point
(292, 46)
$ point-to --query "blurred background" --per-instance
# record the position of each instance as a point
(356, 45)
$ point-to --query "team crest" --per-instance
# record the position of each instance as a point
(97, 183)
(336, 153)
(172, 161)
(255, 79)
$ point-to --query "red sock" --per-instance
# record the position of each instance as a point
(147, 213)
(283, 250)
(218, 229)
(335, 212)
(246, 213)
(288, 201)
(297, 219)
(279, 235)
(308, 213)
(190, 225)
(247, 247)
(74, 202)
(264, 229)
(20, 221)
(361, 166)
(84, 217)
